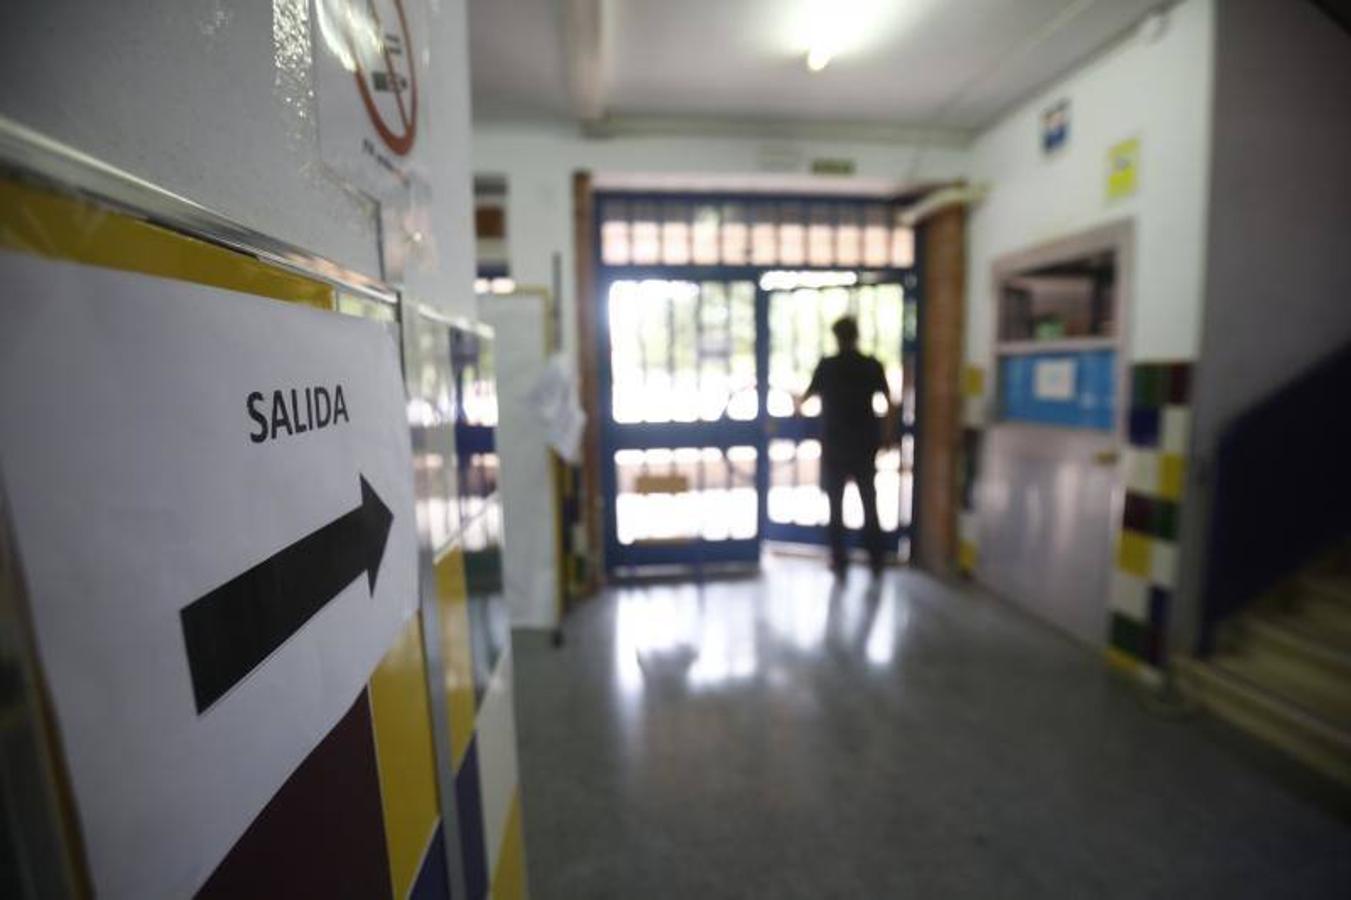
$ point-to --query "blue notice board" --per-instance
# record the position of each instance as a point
(1074, 389)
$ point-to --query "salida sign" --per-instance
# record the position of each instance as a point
(217, 534)
(366, 66)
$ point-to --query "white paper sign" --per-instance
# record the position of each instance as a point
(168, 447)
(1054, 379)
(371, 76)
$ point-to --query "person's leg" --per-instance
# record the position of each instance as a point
(865, 475)
(833, 480)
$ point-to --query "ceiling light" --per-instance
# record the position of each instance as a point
(817, 59)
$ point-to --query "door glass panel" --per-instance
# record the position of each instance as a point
(682, 351)
(799, 336)
(795, 495)
(685, 493)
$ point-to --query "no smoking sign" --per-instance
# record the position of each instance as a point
(368, 134)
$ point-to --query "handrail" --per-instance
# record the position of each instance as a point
(1281, 489)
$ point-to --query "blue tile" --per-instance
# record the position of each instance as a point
(469, 807)
(1158, 625)
(1144, 427)
(433, 882)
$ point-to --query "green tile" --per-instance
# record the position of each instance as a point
(1165, 519)
(1149, 386)
(1129, 636)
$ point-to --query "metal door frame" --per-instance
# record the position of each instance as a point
(726, 433)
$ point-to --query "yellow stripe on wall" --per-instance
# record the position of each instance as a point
(509, 881)
(58, 227)
(401, 711)
(456, 659)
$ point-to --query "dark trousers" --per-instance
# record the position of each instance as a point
(836, 473)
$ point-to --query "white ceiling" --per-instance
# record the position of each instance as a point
(952, 64)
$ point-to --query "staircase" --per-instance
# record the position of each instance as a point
(1282, 668)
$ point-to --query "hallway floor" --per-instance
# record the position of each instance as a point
(780, 737)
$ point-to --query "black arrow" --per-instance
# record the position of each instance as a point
(231, 630)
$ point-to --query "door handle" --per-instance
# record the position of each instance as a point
(1107, 457)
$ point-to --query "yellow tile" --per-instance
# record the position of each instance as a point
(509, 877)
(973, 382)
(1172, 475)
(39, 222)
(1121, 660)
(1132, 554)
(456, 654)
(966, 556)
(401, 712)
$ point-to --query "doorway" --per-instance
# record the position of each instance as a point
(713, 310)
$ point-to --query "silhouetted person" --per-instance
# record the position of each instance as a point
(851, 434)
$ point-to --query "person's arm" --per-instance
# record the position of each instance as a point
(891, 433)
(813, 388)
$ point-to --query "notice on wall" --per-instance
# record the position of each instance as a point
(1053, 379)
(1123, 169)
(370, 74)
(212, 498)
(1055, 127)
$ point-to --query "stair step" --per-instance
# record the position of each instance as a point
(1314, 741)
(1323, 604)
(1291, 679)
(1295, 637)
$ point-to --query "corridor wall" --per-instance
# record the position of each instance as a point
(1278, 267)
(1154, 86)
(185, 133)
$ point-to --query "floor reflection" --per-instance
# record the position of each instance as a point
(702, 637)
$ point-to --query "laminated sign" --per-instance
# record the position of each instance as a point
(212, 498)
(370, 60)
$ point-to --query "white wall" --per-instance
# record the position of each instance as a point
(215, 101)
(539, 161)
(1157, 91)
(1278, 283)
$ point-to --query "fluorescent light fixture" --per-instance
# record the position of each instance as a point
(825, 30)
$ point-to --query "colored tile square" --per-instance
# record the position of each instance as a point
(1176, 430)
(1147, 386)
(433, 880)
(1158, 608)
(966, 556)
(322, 834)
(973, 411)
(509, 873)
(1156, 636)
(1129, 636)
(1142, 471)
(457, 661)
(973, 381)
(401, 712)
(1179, 383)
(469, 808)
(1130, 596)
(1133, 553)
(1163, 564)
(1172, 476)
(1138, 514)
(1164, 525)
(1144, 426)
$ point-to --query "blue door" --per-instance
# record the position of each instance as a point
(712, 311)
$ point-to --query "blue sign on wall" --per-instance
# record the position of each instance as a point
(1071, 389)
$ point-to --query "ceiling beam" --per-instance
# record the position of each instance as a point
(586, 48)
(769, 129)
